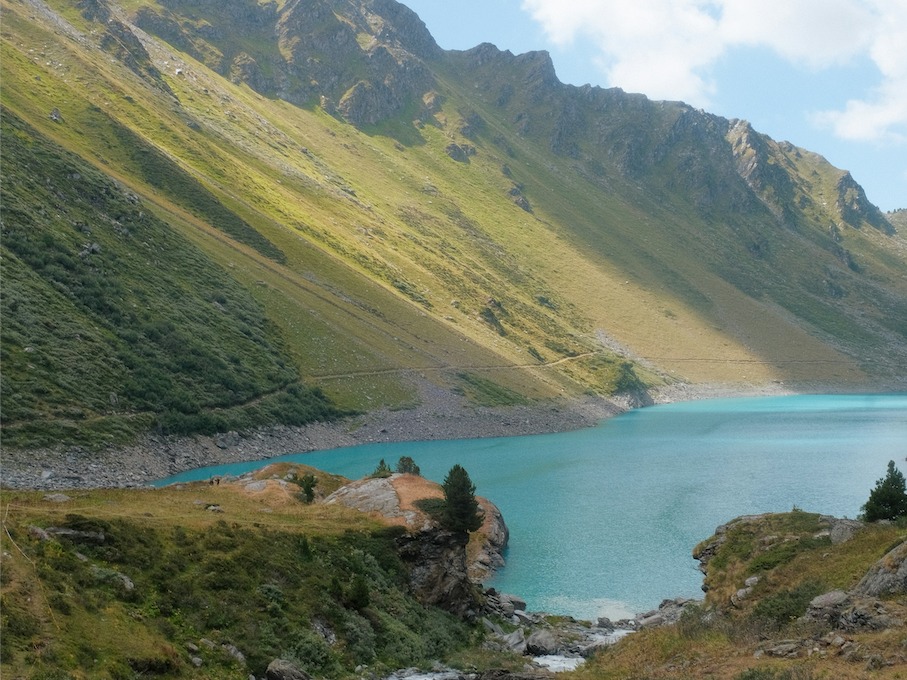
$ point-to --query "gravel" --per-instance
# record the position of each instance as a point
(439, 415)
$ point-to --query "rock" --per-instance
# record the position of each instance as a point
(492, 538)
(55, 115)
(196, 661)
(515, 641)
(226, 440)
(57, 498)
(457, 152)
(789, 649)
(668, 612)
(842, 530)
(77, 536)
(281, 669)
(751, 581)
(888, 576)
(850, 612)
(233, 652)
(112, 576)
(436, 560)
(39, 533)
(541, 643)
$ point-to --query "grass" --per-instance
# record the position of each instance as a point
(197, 574)
(719, 640)
(179, 346)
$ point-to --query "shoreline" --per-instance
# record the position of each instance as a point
(440, 414)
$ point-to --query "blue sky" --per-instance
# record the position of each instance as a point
(826, 75)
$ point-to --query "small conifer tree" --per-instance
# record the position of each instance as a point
(888, 500)
(461, 509)
(383, 470)
(407, 465)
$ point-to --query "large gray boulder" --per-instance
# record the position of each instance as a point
(281, 669)
(542, 642)
(888, 576)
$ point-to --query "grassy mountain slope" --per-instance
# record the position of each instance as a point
(391, 211)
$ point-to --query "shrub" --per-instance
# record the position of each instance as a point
(407, 465)
(383, 470)
(786, 606)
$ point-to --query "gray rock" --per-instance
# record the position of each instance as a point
(888, 576)
(842, 530)
(281, 669)
(57, 497)
(196, 661)
(833, 598)
(232, 651)
(789, 649)
(515, 601)
(542, 642)
(39, 533)
(77, 536)
(515, 641)
(112, 576)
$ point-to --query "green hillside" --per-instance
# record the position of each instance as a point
(128, 584)
(219, 218)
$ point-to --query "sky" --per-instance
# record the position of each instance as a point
(826, 75)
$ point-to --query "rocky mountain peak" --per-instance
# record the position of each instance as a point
(855, 208)
(361, 60)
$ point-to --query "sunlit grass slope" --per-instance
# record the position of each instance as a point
(576, 229)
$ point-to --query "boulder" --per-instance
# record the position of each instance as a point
(842, 530)
(281, 669)
(888, 576)
(542, 642)
(515, 641)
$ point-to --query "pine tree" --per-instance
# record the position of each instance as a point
(461, 509)
(407, 465)
(383, 470)
(888, 500)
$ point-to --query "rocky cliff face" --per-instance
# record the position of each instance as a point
(437, 568)
(361, 60)
(444, 567)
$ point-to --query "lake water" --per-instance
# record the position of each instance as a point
(603, 520)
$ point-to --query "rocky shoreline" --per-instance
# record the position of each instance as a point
(440, 414)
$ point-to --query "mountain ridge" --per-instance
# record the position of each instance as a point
(394, 207)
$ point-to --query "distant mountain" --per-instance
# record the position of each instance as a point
(218, 215)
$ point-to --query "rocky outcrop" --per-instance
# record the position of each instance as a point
(851, 612)
(368, 57)
(886, 577)
(436, 560)
(485, 551)
(443, 570)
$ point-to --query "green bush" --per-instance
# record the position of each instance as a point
(786, 606)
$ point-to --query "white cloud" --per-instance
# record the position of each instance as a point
(883, 117)
(667, 48)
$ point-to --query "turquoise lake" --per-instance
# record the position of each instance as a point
(603, 520)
